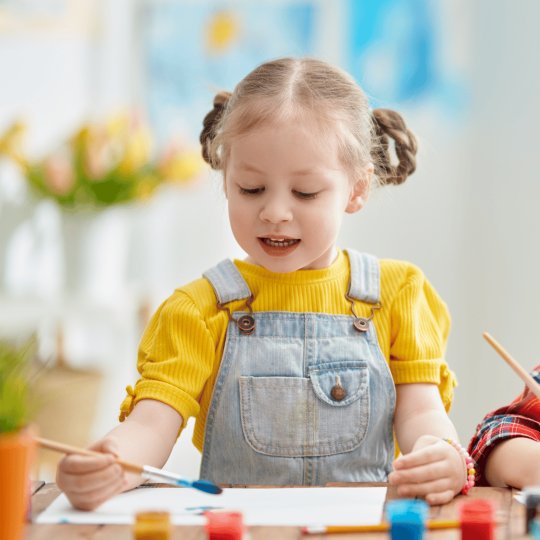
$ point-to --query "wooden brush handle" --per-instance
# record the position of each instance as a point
(522, 374)
(68, 449)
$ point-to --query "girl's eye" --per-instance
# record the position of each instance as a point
(251, 191)
(303, 195)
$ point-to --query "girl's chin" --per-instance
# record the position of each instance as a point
(291, 262)
(275, 264)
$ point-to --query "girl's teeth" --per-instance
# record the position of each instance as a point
(279, 243)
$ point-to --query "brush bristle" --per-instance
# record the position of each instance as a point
(207, 486)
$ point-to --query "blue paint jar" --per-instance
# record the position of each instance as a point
(407, 518)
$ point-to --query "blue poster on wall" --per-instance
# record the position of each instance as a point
(194, 48)
(392, 48)
(394, 52)
(191, 50)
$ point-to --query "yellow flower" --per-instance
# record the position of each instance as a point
(100, 151)
(80, 138)
(179, 166)
(119, 125)
(146, 187)
(136, 152)
(11, 143)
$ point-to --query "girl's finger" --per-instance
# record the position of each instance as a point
(422, 473)
(92, 499)
(79, 464)
(424, 489)
(88, 483)
(428, 454)
(442, 497)
(107, 446)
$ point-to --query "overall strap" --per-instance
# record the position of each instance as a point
(227, 282)
(365, 282)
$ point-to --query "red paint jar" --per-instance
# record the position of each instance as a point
(477, 517)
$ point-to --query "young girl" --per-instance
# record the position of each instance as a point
(302, 361)
(506, 443)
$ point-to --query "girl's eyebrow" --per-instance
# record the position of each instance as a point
(305, 172)
(301, 172)
(248, 167)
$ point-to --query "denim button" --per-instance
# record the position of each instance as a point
(338, 393)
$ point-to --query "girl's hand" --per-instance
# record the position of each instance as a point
(433, 470)
(89, 481)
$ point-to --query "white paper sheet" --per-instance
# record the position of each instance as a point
(259, 506)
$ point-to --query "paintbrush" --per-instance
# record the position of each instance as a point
(146, 471)
(522, 374)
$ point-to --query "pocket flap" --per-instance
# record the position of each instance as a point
(352, 375)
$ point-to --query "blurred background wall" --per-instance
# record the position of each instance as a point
(125, 84)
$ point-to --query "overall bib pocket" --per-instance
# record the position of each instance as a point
(299, 417)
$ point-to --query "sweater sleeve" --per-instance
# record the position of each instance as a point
(420, 327)
(175, 358)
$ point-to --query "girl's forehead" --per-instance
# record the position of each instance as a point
(289, 137)
(259, 113)
(302, 130)
(297, 133)
(285, 147)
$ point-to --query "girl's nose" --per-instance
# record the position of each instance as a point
(274, 211)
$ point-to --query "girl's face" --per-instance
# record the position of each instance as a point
(287, 191)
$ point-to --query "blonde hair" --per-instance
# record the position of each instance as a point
(294, 88)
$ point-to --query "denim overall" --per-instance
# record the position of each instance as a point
(304, 399)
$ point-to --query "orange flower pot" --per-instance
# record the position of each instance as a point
(16, 453)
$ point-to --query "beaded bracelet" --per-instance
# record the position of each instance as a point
(469, 465)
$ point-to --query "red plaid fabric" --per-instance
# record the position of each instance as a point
(521, 418)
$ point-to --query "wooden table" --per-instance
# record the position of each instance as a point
(510, 516)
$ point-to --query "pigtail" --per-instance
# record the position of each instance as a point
(387, 124)
(210, 123)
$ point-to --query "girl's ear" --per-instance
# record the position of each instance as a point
(358, 197)
(360, 192)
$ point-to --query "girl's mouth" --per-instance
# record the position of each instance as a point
(278, 247)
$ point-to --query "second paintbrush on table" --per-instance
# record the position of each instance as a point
(146, 471)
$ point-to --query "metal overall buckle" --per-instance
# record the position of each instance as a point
(362, 323)
(245, 323)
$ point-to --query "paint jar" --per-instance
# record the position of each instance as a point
(407, 518)
(531, 496)
(224, 525)
(535, 529)
(152, 526)
(477, 517)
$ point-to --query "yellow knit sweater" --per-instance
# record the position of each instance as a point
(181, 349)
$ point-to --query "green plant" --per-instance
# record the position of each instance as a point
(15, 384)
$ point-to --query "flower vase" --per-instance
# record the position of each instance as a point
(15, 221)
(96, 250)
